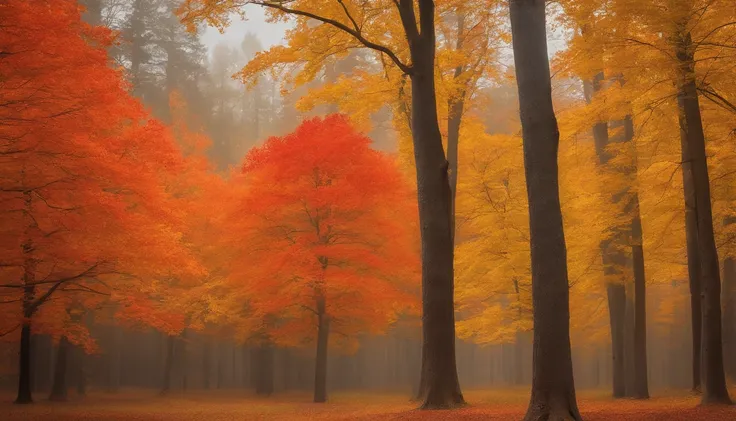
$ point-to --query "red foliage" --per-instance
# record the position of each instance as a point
(84, 211)
(324, 216)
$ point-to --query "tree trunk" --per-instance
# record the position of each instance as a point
(439, 386)
(553, 387)
(59, 388)
(320, 368)
(611, 257)
(168, 365)
(693, 263)
(629, 342)
(24, 375)
(691, 129)
(641, 383)
(264, 369)
(616, 305)
(729, 316)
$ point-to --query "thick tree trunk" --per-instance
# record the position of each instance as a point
(693, 264)
(59, 388)
(320, 367)
(616, 305)
(691, 128)
(265, 369)
(168, 365)
(439, 386)
(24, 374)
(729, 317)
(553, 387)
(641, 383)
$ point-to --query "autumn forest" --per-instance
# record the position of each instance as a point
(372, 209)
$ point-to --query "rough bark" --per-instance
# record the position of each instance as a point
(59, 388)
(320, 368)
(553, 387)
(691, 129)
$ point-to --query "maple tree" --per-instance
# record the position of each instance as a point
(340, 22)
(84, 211)
(325, 217)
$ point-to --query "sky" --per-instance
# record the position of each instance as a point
(269, 33)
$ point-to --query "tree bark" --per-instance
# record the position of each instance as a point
(553, 387)
(691, 129)
(641, 381)
(320, 368)
(729, 316)
(59, 388)
(24, 375)
(439, 387)
(693, 263)
(616, 305)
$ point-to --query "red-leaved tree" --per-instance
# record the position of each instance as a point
(329, 228)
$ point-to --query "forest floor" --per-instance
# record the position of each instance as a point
(229, 405)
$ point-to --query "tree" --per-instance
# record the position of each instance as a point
(341, 21)
(325, 217)
(553, 388)
(75, 202)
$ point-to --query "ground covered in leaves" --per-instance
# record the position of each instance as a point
(221, 406)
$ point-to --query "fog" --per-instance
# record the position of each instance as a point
(503, 210)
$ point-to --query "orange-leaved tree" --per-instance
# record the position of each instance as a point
(325, 222)
(84, 211)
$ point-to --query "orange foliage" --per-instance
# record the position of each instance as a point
(323, 216)
(85, 214)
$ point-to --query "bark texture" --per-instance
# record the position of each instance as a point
(553, 388)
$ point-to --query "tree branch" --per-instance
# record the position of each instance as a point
(355, 33)
(408, 19)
